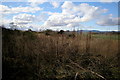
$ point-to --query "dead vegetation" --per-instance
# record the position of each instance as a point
(58, 56)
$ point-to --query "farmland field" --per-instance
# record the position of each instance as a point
(103, 36)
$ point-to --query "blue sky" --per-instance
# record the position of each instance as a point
(61, 15)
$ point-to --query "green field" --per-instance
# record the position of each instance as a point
(103, 36)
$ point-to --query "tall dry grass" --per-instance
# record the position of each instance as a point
(37, 56)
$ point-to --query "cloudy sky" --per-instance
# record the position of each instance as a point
(65, 15)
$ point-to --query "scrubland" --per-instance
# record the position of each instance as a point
(51, 55)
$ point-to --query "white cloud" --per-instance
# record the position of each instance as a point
(5, 22)
(108, 21)
(35, 3)
(41, 18)
(55, 4)
(61, 21)
(72, 15)
(22, 19)
(49, 13)
(34, 27)
(56, 20)
(7, 10)
(4, 9)
(84, 11)
(73, 25)
(28, 21)
(26, 9)
(109, 0)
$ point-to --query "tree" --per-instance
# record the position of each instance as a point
(61, 32)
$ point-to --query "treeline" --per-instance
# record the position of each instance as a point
(29, 55)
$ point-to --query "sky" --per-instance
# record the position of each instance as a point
(66, 15)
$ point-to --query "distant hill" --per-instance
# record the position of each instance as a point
(88, 31)
(95, 31)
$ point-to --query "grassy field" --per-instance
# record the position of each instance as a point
(103, 36)
(50, 55)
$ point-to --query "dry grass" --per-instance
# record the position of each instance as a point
(105, 47)
(33, 55)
